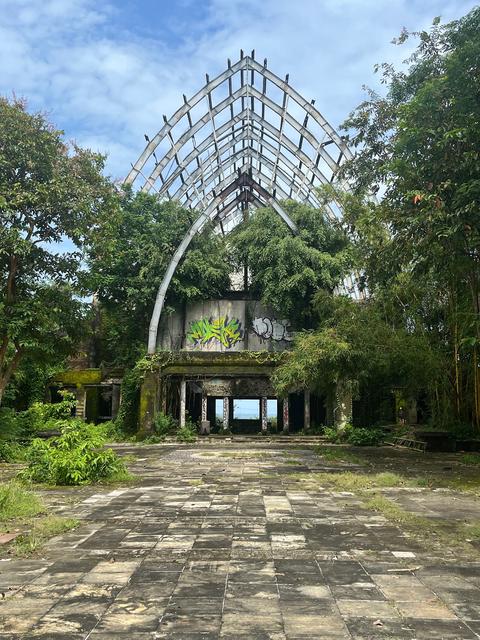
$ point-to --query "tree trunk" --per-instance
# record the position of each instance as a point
(8, 370)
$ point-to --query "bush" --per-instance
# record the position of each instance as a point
(357, 436)
(75, 457)
(11, 451)
(42, 416)
(365, 437)
(188, 433)
(332, 434)
(164, 425)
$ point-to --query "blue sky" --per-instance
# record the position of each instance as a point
(107, 71)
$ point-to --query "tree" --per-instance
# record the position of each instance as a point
(52, 197)
(419, 147)
(356, 346)
(126, 278)
(287, 270)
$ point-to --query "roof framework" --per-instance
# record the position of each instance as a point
(247, 138)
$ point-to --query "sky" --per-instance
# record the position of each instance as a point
(106, 72)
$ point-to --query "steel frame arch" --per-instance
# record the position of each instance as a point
(211, 212)
(201, 164)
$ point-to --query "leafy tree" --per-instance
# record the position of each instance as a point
(287, 270)
(354, 344)
(127, 277)
(418, 146)
(50, 193)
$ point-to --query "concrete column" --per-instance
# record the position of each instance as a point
(286, 421)
(263, 414)
(81, 401)
(306, 409)
(412, 412)
(226, 414)
(204, 407)
(148, 402)
(115, 400)
(183, 402)
(343, 405)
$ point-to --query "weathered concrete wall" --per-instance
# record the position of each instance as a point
(225, 326)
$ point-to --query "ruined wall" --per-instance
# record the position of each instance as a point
(225, 326)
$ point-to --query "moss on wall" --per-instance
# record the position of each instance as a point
(79, 377)
(148, 401)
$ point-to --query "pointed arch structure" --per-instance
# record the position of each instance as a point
(246, 138)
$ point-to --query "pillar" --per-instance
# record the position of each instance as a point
(306, 409)
(263, 414)
(115, 400)
(81, 400)
(343, 405)
(226, 414)
(286, 422)
(412, 412)
(148, 402)
(204, 407)
(183, 402)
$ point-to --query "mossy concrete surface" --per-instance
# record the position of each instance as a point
(221, 541)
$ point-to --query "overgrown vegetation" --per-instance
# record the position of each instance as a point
(357, 436)
(75, 457)
(22, 511)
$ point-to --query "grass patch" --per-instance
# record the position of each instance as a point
(18, 502)
(23, 510)
(42, 530)
(243, 455)
(393, 512)
(338, 454)
(293, 461)
(122, 476)
(446, 534)
(356, 482)
(470, 459)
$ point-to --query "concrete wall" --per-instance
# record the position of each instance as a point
(224, 326)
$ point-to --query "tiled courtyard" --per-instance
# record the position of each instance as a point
(220, 541)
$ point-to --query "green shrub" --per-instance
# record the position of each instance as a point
(164, 425)
(188, 433)
(471, 459)
(11, 451)
(357, 436)
(10, 427)
(332, 434)
(42, 416)
(75, 457)
(365, 437)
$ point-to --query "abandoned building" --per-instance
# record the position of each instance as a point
(246, 139)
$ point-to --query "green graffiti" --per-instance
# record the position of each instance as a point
(227, 332)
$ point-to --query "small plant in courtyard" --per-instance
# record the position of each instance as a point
(357, 436)
(75, 457)
(188, 433)
(164, 425)
(42, 530)
(471, 459)
(18, 502)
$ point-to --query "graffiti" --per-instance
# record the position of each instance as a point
(225, 331)
(272, 329)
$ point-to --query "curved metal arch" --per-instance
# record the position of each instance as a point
(250, 152)
(214, 146)
(246, 63)
(211, 212)
(208, 142)
(284, 140)
(248, 135)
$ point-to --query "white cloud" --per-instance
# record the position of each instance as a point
(106, 84)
